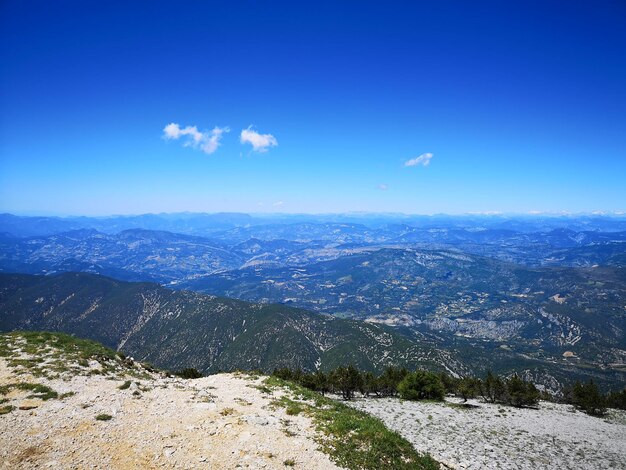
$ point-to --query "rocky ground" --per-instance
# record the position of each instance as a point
(490, 436)
(71, 404)
(221, 421)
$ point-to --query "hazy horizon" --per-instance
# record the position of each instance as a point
(332, 214)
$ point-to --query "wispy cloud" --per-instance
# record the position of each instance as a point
(423, 159)
(207, 141)
(260, 142)
(383, 187)
(278, 204)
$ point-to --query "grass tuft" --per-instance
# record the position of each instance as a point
(6, 409)
(103, 417)
(125, 385)
(353, 439)
(42, 392)
(57, 355)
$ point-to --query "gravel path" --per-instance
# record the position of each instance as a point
(496, 437)
(221, 421)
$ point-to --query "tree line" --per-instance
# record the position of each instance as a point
(416, 385)
(425, 385)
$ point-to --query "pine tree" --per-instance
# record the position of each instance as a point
(521, 393)
(617, 400)
(347, 380)
(370, 384)
(421, 385)
(493, 388)
(587, 397)
(390, 379)
(449, 383)
(320, 380)
(467, 387)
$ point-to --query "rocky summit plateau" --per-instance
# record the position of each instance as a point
(70, 403)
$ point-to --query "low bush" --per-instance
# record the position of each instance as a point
(189, 373)
(421, 385)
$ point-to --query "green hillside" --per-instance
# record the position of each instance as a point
(177, 329)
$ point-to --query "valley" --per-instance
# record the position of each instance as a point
(543, 297)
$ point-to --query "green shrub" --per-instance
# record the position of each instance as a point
(449, 383)
(293, 409)
(103, 417)
(42, 392)
(390, 379)
(189, 373)
(421, 385)
(125, 385)
(6, 409)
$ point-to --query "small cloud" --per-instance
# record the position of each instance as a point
(278, 204)
(423, 159)
(383, 187)
(207, 141)
(260, 142)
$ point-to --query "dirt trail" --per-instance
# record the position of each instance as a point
(221, 421)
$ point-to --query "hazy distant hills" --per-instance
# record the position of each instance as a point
(134, 254)
(187, 223)
(294, 225)
(140, 254)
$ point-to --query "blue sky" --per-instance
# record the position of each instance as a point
(515, 106)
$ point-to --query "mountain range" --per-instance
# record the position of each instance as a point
(542, 296)
(177, 329)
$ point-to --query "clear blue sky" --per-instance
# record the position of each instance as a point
(521, 104)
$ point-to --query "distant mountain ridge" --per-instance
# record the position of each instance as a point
(206, 224)
(167, 257)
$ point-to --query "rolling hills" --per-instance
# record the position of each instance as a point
(553, 310)
(177, 329)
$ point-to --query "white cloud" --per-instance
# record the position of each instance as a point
(383, 187)
(278, 204)
(260, 142)
(423, 159)
(207, 141)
